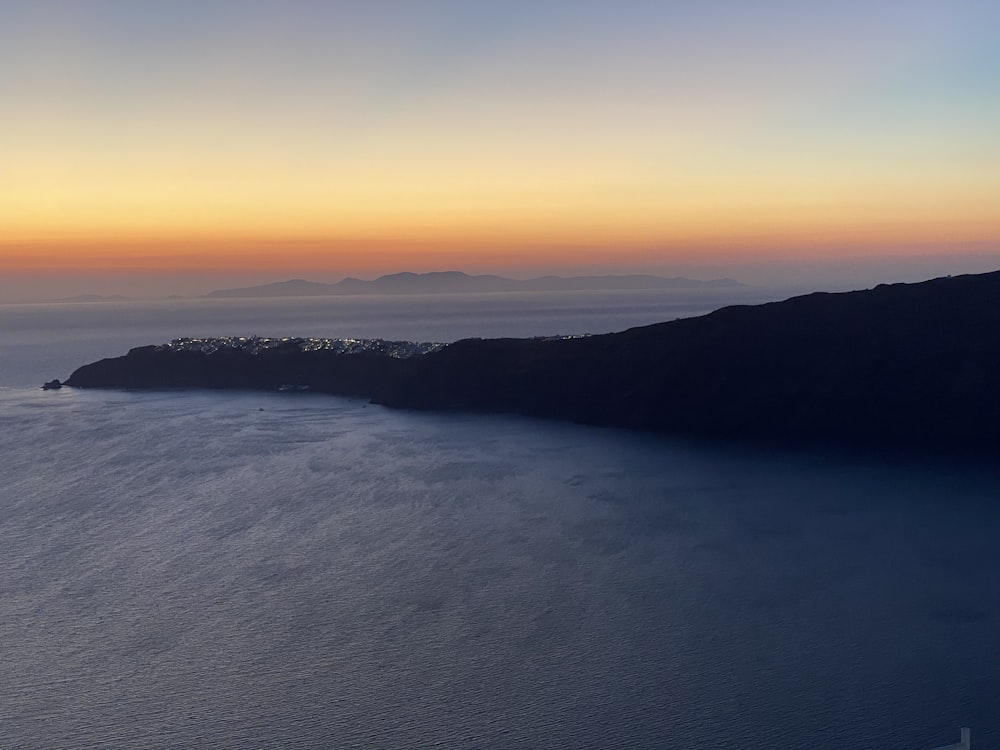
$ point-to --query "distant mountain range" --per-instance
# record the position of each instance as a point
(454, 282)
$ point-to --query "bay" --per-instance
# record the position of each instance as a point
(198, 569)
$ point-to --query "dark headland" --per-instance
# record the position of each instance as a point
(900, 365)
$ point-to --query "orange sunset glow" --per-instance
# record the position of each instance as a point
(329, 139)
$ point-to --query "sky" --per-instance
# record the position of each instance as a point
(194, 141)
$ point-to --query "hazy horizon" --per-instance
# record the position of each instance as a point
(172, 148)
(832, 275)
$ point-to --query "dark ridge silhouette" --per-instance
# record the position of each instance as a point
(908, 365)
(446, 282)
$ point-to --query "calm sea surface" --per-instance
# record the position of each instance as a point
(251, 570)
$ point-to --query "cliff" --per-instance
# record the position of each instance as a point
(914, 365)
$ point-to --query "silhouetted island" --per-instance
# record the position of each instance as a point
(456, 282)
(908, 365)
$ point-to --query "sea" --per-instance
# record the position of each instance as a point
(198, 569)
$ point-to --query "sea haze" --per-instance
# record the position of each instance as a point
(43, 341)
(245, 570)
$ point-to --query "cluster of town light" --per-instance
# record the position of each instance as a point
(257, 344)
